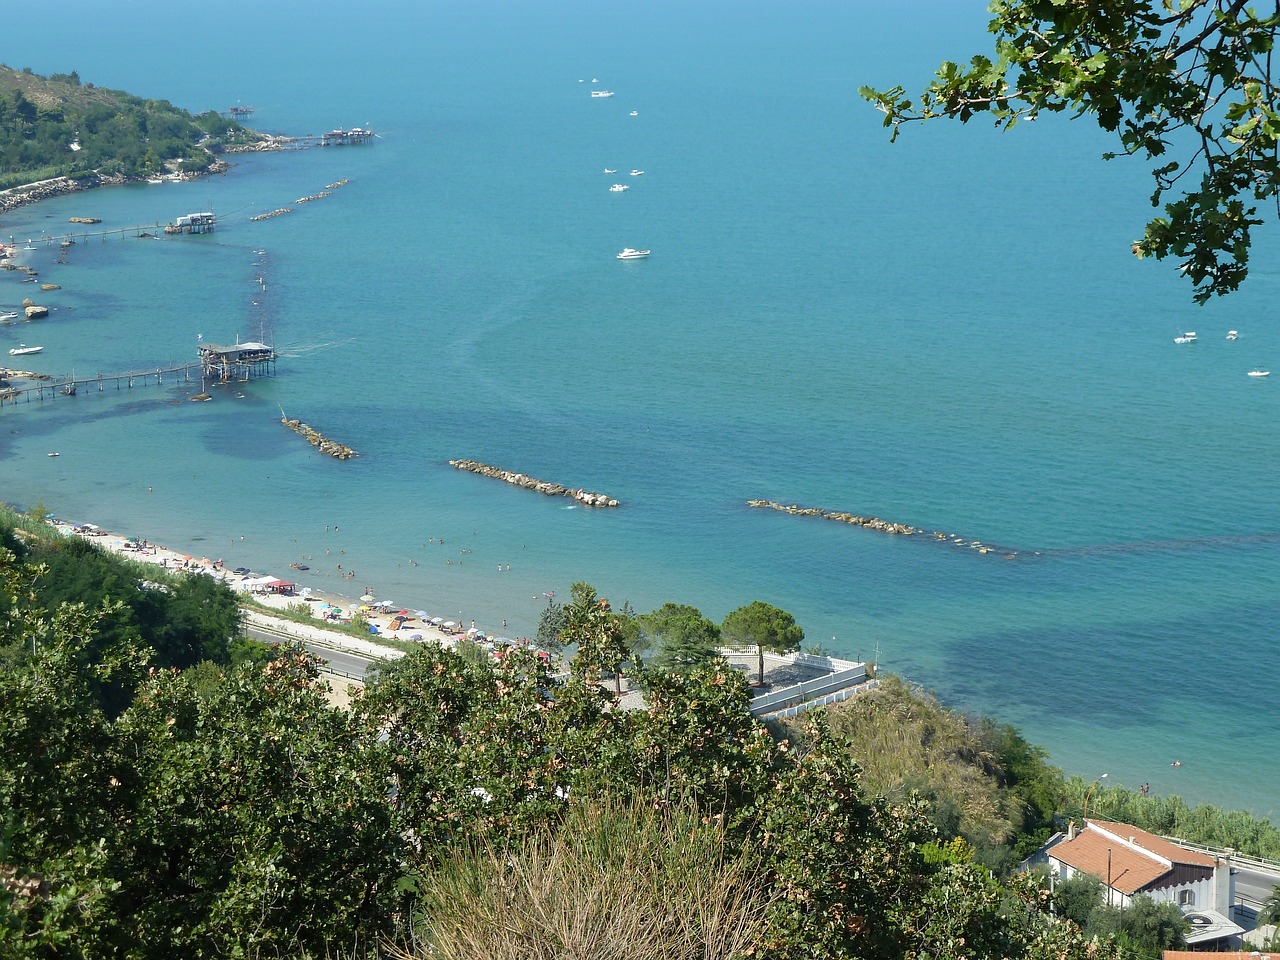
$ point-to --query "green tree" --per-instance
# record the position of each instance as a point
(551, 624)
(1145, 925)
(685, 638)
(598, 635)
(1186, 85)
(1270, 911)
(1077, 897)
(764, 626)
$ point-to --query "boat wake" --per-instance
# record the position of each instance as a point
(300, 349)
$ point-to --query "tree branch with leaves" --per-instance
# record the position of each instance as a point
(1186, 85)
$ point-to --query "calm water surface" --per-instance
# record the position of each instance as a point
(947, 332)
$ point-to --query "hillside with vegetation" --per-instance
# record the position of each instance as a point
(169, 788)
(60, 126)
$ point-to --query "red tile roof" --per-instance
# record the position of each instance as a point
(1149, 841)
(1126, 869)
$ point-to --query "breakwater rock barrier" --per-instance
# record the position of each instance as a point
(339, 451)
(584, 497)
(884, 526)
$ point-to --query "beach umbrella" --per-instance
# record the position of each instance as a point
(415, 636)
(421, 614)
(403, 613)
(436, 621)
(367, 598)
(448, 624)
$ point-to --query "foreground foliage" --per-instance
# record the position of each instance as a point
(233, 812)
(1186, 85)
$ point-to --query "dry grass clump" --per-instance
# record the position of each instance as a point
(614, 882)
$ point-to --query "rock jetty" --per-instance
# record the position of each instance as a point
(339, 451)
(273, 213)
(584, 497)
(884, 526)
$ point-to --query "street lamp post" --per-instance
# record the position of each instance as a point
(1088, 793)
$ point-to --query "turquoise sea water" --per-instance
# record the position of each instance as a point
(947, 332)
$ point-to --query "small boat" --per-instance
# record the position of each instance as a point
(635, 113)
(53, 454)
(628, 253)
(1188, 337)
(1259, 373)
(1232, 335)
(8, 316)
(22, 350)
(637, 173)
(607, 170)
(154, 180)
(601, 93)
(618, 188)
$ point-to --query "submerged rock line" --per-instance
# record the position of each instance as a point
(884, 526)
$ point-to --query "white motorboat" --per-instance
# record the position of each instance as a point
(629, 253)
(635, 113)
(607, 170)
(602, 93)
(637, 173)
(1259, 373)
(154, 180)
(22, 350)
(5, 317)
(618, 188)
(1188, 337)
(1232, 335)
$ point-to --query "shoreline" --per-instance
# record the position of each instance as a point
(392, 621)
(28, 193)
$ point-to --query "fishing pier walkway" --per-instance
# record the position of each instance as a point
(154, 231)
(238, 363)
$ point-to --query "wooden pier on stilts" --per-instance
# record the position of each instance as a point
(238, 363)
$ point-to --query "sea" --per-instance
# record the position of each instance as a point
(948, 331)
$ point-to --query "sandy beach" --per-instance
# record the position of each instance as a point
(387, 621)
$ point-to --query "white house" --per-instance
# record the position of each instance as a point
(1130, 861)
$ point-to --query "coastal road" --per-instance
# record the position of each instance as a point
(1253, 885)
(342, 662)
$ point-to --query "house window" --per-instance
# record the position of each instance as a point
(1186, 898)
